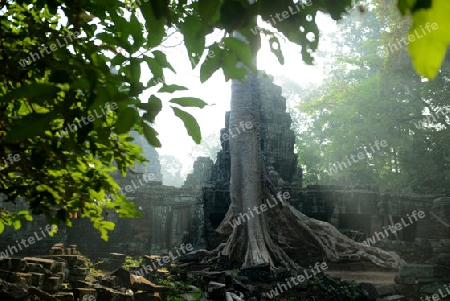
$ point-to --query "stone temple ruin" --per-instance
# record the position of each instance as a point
(190, 214)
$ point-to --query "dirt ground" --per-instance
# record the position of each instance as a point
(361, 272)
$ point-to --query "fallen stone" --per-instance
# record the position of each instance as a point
(124, 278)
(64, 296)
(216, 291)
(48, 264)
(142, 284)
(146, 296)
(370, 289)
(9, 291)
(108, 294)
(52, 284)
(41, 294)
(16, 277)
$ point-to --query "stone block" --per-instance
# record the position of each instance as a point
(146, 296)
(64, 296)
(395, 298)
(76, 271)
(75, 278)
(41, 294)
(72, 260)
(48, 264)
(407, 289)
(216, 291)
(107, 294)
(386, 290)
(85, 293)
(16, 277)
(37, 279)
(37, 268)
(417, 270)
(404, 280)
(52, 284)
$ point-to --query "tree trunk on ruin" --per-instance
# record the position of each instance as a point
(276, 235)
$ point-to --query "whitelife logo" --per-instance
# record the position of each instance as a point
(11, 158)
(31, 240)
(72, 126)
(413, 37)
(300, 278)
(398, 226)
(263, 207)
(53, 48)
(334, 168)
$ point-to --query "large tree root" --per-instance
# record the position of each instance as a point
(289, 231)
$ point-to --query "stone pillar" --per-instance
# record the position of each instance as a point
(440, 230)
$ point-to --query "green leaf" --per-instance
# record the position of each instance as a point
(29, 126)
(136, 32)
(150, 134)
(171, 88)
(190, 124)
(127, 118)
(152, 108)
(35, 92)
(156, 70)
(194, 38)
(17, 224)
(430, 40)
(241, 49)
(211, 63)
(230, 69)
(2, 226)
(154, 24)
(161, 59)
(209, 9)
(189, 102)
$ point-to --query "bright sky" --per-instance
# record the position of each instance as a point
(211, 119)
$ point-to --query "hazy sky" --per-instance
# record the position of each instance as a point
(172, 133)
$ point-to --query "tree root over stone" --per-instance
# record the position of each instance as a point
(284, 230)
